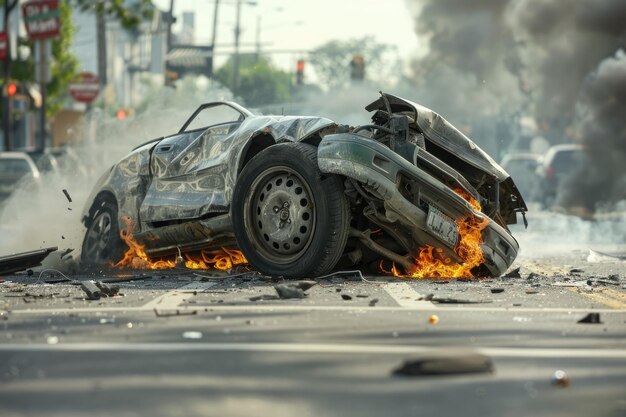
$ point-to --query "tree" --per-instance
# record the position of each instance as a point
(259, 82)
(128, 15)
(332, 60)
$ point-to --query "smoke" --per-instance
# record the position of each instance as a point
(552, 59)
(43, 217)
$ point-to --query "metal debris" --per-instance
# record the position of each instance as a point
(67, 195)
(175, 313)
(514, 273)
(591, 318)
(497, 290)
(446, 363)
(560, 379)
(24, 260)
(450, 300)
(346, 297)
(289, 291)
(96, 290)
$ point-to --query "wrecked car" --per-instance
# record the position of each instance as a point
(301, 196)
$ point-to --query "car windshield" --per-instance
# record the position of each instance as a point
(213, 115)
(13, 167)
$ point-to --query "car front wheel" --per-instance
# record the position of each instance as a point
(290, 219)
(102, 244)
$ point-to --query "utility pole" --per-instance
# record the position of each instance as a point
(168, 42)
(8, 7)
(43, 79)
(236, 58)
(214, 37)
(101, 44)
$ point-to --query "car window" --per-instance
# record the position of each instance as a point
(566, 161)
(14, 167)
(214, 115)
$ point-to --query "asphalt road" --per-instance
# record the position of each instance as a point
(180, 344)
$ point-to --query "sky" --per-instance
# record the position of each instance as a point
(299, 25)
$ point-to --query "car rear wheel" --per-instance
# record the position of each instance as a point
(288, 218)
(102, 244)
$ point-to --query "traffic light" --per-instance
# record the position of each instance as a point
(300, 72)
(11, 89)
(357, 68)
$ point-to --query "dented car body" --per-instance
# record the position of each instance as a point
(302, 195)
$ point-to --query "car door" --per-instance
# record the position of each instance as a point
(190, 168)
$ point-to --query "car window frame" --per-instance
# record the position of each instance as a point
(243, 114)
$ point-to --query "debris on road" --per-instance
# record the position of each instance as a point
(126, 279)
(514, 273)
(67, 195)
(373, 302)
(433, 319)
(24, 260)
(450, 300)
(66, 252)
(288, 291)
(96, 290)
(346, 297)
(446, 363)
(591, 318)
(560, 379)
(531, 291)
(294, 289)
(497, 290)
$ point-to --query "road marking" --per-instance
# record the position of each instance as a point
(257, 307)
(406, 296)
(172, 299)
(502, 352)
(606, 296)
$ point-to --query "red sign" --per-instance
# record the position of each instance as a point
(86, 88)
(3, 45)
(42, 19)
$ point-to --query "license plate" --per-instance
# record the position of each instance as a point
(442, 226)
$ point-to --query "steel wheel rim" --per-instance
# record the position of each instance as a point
(279, 215)
(98, 237)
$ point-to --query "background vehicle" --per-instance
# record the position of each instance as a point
(560, 163)
(523, 167)
(17, 169)
(297, 193)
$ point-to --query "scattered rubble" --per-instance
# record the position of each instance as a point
(591, 318)
(514, 273)
(346, 297)
(497, 290)
(67, 195)
(446, 363)
(294, 289)
(560, 379)
(96, 290)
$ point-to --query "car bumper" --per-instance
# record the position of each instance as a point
(384, 171)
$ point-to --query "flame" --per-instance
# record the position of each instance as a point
(136, 257)
(432, 263)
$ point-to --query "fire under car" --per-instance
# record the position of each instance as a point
(299, 196)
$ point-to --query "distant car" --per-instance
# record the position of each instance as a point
(17, 169)
(559, 164)
(298, 194)
(523, 167)
(44, 160)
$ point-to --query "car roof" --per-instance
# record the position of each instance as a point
(15, 155)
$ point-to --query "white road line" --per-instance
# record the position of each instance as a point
(173, 299)
(502, 352)
(257, 307)
(406, 296)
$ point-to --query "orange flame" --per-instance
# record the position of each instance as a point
(136, 257)
(432, 263)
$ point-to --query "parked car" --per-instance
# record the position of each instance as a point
(523, 167)
(298, 193)
(559, 164)
(17, 170)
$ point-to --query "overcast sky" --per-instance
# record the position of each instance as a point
(300, 25)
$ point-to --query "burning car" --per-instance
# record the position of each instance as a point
(300, 196)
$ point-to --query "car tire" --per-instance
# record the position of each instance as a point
(289, 219)
(102, 244)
